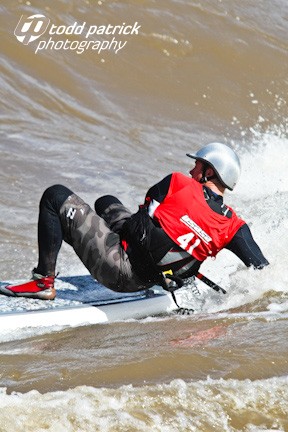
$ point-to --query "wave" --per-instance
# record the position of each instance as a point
(219, 405)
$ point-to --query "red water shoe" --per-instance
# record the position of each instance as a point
(42, 287)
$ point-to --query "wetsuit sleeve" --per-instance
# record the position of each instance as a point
(160, 241)
(244, 246)
(159, 190)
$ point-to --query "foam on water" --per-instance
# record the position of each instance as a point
(220, 405)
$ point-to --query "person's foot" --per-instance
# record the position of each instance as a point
(42, 287)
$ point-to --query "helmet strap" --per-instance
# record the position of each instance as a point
(204, 178)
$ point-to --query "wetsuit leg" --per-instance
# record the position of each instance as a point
(65, 216)
(50, 234)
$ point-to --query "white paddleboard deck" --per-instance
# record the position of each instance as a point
(81, 301)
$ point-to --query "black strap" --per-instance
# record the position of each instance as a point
(174, 284)
(204, 178)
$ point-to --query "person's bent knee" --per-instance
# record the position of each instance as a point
(102, 203)
(55, 196)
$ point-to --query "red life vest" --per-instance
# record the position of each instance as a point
(188, 220)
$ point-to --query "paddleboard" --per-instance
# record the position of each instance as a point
(81, 301)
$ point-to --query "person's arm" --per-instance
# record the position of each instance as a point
(244, 246)
(159, 190)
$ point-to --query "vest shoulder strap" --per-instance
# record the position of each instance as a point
(216, 206)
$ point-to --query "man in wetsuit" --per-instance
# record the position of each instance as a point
(182, 222)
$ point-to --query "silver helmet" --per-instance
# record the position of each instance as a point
(223, 160)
